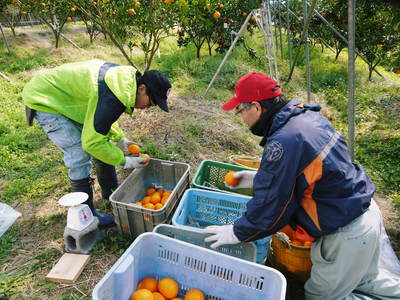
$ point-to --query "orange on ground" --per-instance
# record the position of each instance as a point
(158, 296)
(230, 180)
(146, 199)
(150, 191)
(168, 287)
(155, 198)
(145, 155)
(158, 206)
(142, 294)
(194, 294)
(148, 283)
(134, 149)
(149, 206)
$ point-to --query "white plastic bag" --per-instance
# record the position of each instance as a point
(8, 215)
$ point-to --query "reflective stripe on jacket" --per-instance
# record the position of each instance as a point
(92, 93)
(306, 178)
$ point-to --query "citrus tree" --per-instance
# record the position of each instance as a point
(138, 23)
(54, 13)
(212, 22)
(377, 34)
(11, 14)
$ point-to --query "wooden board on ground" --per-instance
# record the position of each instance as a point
(68, 268)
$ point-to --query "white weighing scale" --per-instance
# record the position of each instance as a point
(79, 215)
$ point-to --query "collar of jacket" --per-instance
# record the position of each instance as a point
(291, 109)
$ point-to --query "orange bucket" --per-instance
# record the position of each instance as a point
(245, 161)
(294, 261)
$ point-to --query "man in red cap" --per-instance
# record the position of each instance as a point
(307, 180)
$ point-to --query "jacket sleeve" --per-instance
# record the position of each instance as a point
(272, 204)
(115, 133)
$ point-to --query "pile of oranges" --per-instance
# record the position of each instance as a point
(167, 288)
(135, 149)
(154, 199)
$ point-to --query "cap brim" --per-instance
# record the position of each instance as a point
(162, 103)
(230, 104)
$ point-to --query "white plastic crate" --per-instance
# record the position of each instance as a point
(219, 276)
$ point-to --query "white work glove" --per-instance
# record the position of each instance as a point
(135, 162)
(245, 180)
(223, 235)
(124, 143)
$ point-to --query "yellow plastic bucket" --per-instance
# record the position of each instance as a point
(295, 262)
(245, 161)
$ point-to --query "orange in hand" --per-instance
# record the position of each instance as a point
(148, 283)
(194, 294)
(145, 155)
(142, 294)
(134, 149)
(230, 179)
(168, 287)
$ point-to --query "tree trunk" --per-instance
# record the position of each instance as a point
(198, 51)
(370, 69)
(337, 53)
(57, 36)
(13, 30)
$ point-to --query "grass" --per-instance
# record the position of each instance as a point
(33, 175)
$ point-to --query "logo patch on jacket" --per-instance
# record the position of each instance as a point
(274, 151)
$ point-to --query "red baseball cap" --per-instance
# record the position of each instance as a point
(253, 87)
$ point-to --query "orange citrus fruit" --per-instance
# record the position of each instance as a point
(146, 199)
(142, 294)
(158, 206)
(134, 149)
(216, 15)
(307, 244)
(148, 283)
(150, 191)
(296, 243)
(158, 296)
(155, 198)
(194, 294)
(168, 287)
(230, 180)
(164, 200)
(139, 203)
(145, 155)
(176, 299)
(149, 206)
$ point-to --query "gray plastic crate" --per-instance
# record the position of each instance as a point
(133, 220)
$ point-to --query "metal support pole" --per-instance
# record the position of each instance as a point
(280, 27)
(342, 38)
(4, 38)
(244, 25)
(4, 76)
(288, 34)
(275, 24)
(307, 49)
(351, 73)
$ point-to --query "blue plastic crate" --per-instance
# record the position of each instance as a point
(219, 276)
(201, 208)
(195, 236)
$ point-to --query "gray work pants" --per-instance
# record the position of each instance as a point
(346, 263)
